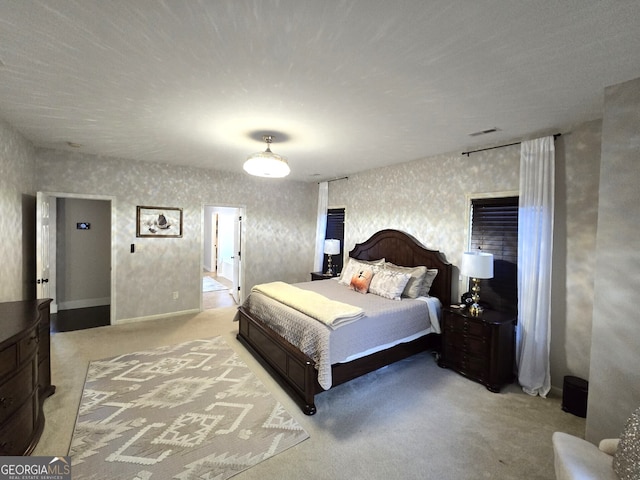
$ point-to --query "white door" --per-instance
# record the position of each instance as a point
(237, 256)
(45, 223)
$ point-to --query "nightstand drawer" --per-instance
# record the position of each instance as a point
(458, 324)
(466, 343)
(480, 348)
(466, 364)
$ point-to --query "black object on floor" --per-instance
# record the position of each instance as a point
(574, 396)
(80, 318)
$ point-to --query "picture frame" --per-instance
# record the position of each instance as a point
(158, 222)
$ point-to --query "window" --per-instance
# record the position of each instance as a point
(494, 229)
(335, 229)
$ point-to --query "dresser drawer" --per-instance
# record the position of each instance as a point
(29, 344)
(8, 359)
(456, 323)
(16, 390)
(477, 346)
(16, 433)
(465, 364)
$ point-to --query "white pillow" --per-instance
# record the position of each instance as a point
(353, 266)
(415, 284)
(389, 283)
(428, 281)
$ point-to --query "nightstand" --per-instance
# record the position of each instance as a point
(480, 348)
(320, 276)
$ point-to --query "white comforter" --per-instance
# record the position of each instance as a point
(384, 324)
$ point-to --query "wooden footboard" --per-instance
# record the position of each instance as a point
(296, 372)
(288, 365)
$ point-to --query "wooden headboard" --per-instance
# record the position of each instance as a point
(404, 250)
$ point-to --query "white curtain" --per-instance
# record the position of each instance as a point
(535, 241)
(321, 225)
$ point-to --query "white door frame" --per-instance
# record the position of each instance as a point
(51, 198)
(238, 263)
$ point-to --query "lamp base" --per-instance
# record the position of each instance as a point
(475, 310)
(329, 267)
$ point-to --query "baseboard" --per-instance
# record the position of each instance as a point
(556, 391)
(84, 303)
(156, 317)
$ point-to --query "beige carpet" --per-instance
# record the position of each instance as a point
(409, 420)
(185, 411)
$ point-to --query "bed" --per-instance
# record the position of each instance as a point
(302, 376)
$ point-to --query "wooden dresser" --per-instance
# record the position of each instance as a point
(480, 348)
(25, 374)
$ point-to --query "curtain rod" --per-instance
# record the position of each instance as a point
(335, 180)
(556, 135)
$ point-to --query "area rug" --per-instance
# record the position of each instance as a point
(211, 285)
(187, 411)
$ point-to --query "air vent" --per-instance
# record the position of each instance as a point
(483, 132)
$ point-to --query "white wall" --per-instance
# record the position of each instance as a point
(278, 212)
(614, 388)
(226, 228)
(83, 257)
(428, 198)
(17, 216)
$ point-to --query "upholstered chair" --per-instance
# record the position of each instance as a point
(615, 459)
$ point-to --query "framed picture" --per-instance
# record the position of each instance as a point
(165, 222)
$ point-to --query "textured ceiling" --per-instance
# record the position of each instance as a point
(345, 86)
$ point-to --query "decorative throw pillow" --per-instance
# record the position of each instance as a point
(428, 281)
(626, 460)
(389, 284)
(353, 266)
(414, 285)
(361, 280)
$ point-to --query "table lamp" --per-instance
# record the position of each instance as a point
(331, 247)
(476, 265)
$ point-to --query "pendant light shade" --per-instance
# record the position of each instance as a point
(267, 163)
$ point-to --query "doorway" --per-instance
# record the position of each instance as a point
(74, 260)
(221, 256)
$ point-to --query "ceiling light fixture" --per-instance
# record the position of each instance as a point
(267, 163)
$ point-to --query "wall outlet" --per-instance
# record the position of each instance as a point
(176, 295)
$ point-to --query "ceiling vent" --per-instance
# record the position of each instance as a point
(483, 132)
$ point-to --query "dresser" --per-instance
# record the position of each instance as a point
(481, 348)
(25, 374)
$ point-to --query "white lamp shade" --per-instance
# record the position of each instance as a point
(332, 246)
(267, 164)
(477, 265)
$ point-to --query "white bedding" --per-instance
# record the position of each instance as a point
(385, 323)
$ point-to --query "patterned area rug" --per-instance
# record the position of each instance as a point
(211, 285)
(187, 411)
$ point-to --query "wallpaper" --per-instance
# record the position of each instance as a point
(614, 385)
(430, 199)
(427, 198)
(279, 228)
(17, 215)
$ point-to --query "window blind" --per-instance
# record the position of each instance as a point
(335, 229)
(494, 229)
